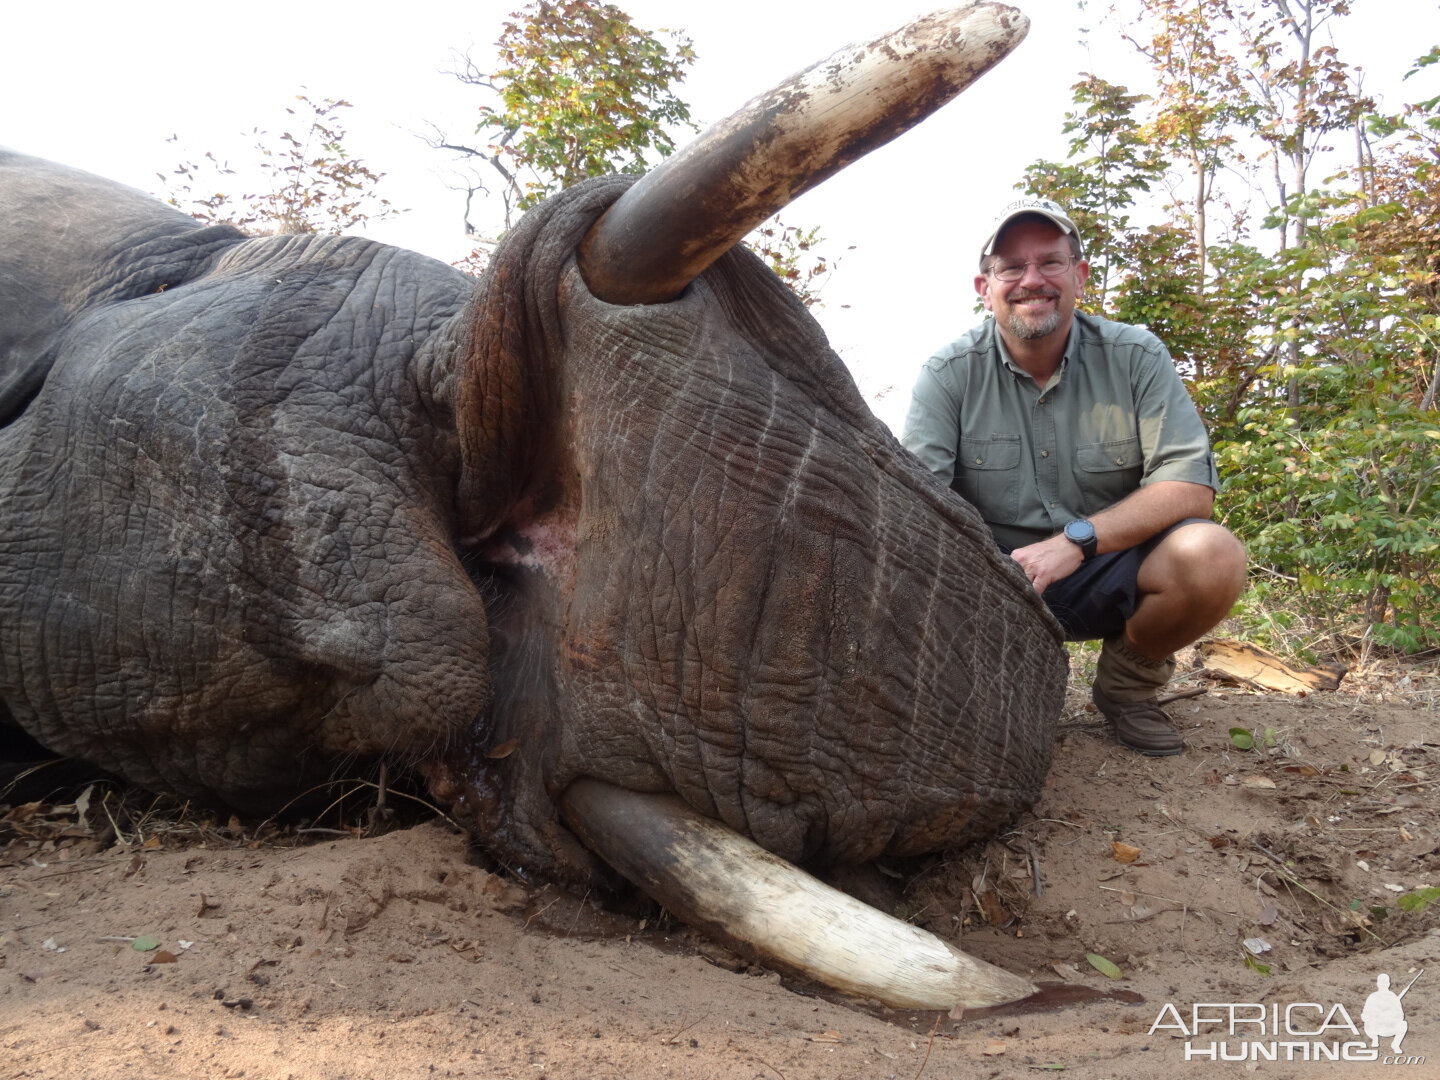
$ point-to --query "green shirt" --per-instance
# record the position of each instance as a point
(1114, 416)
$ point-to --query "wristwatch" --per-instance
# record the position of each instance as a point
(1082, 534)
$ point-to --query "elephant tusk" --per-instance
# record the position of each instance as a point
(712, 878)
(698, 204)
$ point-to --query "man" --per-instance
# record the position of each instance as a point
(1075, 439)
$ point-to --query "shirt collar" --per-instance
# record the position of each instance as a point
(1072, 351)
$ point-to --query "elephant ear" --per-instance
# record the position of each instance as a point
(508, 378)
(129, 245)
(227, 509)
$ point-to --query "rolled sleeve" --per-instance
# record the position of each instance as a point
(1172, 435)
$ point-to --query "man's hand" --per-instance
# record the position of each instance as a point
(1048, 561)
(1131, 521)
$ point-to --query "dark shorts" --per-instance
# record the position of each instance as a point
(1098, 599)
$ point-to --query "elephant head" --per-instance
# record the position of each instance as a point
(608, 547)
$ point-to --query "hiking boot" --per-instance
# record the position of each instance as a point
(1125, 690)
(1141, 725)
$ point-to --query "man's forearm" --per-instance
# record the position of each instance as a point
(1145, 512)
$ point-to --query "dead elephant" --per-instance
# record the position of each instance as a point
(609, 546)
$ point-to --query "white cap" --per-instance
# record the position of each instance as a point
(1045, 208)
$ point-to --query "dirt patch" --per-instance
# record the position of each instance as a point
(1287, 873)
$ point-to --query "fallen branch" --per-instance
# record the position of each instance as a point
(1249, 664)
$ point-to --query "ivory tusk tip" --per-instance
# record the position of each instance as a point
(713, 878)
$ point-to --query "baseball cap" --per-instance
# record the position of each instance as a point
(1045, 208)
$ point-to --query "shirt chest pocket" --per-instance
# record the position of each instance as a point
(1107, 472)
(987, 476)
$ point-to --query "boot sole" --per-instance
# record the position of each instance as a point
(1149, 751)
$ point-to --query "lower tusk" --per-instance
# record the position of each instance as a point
(712, 878)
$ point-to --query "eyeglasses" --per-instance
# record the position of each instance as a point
(1052, 266)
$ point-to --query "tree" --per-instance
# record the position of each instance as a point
(1199, 101)
(1311, 333)
(1400, 218)
(1302, 93)
(581, 92)
(312, 184)
(1115, 165)
(1238, 72)
(1108, 168)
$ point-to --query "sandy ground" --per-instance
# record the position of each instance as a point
(203, 952)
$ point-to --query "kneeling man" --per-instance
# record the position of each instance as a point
(1076, 440)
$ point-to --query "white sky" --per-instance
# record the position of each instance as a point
(101, 85)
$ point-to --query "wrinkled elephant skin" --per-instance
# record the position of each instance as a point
(273, 503)
(227, 544)
(270, 507)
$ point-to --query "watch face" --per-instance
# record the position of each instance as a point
(1080, 532)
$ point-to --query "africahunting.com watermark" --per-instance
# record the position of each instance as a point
(1299, 1031)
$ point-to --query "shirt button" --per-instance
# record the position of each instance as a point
(1044, 453)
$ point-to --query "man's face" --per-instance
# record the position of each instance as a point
(1036, 306)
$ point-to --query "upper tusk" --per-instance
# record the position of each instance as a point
(711, 877)
(698, 204)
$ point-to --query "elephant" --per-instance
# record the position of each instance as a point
(606, 546)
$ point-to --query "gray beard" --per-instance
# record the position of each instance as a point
(1025, 330)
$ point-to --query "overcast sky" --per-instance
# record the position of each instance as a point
(103, 85)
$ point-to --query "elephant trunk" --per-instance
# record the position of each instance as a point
(711, 877)
(698, 204)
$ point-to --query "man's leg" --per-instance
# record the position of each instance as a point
(1184, 587)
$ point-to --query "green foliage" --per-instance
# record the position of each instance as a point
(1337, 508)
(1310, 336)
(1255, 965)
(1332, 458)
(1105, 966)
(581, 92)
(1418, 900)
(790, 252)
(311, 184)
(1245, 739)
(1169, 304)
(1108, 168)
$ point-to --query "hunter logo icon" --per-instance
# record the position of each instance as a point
(1293, 1031)
(1383, 1016)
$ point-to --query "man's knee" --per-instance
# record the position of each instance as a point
(1201, 560)
(1206, 549)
